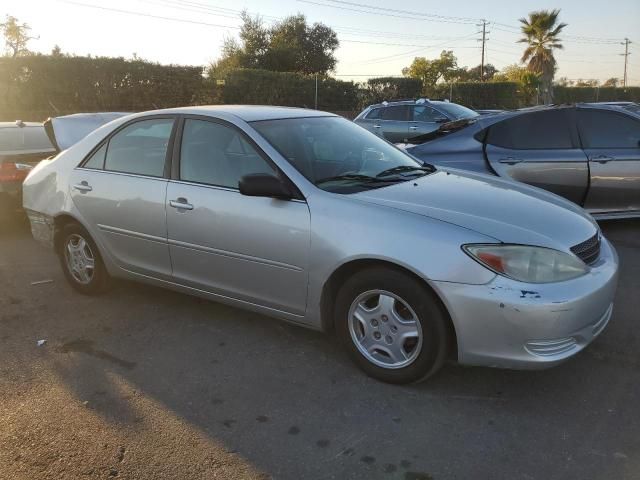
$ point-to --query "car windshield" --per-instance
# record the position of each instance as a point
(338, 155)
(456, 111)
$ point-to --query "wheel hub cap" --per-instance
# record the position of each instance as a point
(80, 259)
(385, 329)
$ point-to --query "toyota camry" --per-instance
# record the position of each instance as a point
(307, 217)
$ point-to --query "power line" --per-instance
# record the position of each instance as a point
(411, 52)
(140, 14)
(386, 14)
(397, 44)
(443, 18)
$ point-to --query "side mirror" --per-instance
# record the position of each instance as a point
(264, 185)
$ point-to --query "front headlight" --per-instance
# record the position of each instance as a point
(526, 263)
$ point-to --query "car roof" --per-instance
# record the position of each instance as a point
(618, 104)
(410, 101)
(248, 113)
(611, 106)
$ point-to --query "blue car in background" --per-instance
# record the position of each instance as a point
(587, 153)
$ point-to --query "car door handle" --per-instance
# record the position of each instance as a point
(181, 203)
(376, 126)
(413, 127)
(83, 186)
(601, 159)
(510, 160)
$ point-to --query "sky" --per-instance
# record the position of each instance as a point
(372, 42)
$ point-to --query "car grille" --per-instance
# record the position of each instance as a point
(589, 250)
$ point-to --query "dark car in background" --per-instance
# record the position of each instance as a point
(587, 153)
(398, 121)
(22, 145)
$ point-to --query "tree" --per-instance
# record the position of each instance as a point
(290, 45)
(16, 36)
(465, 74)
(587, 83)
(565, 82)
(431, 71)
(612, 82)
(541, 31)
(388, 88)
(528, 81)
(510, 73)
(530, 84)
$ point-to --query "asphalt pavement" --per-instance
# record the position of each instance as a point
(143, 383)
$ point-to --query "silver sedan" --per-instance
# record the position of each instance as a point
(309, 218)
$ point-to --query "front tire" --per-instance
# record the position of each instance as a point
(393, 326)
(81, 261)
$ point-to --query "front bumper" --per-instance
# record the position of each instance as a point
(511, 324)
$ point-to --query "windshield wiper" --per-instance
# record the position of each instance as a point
(405, 168)
(352, 176)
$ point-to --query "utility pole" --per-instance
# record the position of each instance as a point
(484, 40)
(626, 60)
(316, 95)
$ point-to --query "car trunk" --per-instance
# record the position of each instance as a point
(65, 131)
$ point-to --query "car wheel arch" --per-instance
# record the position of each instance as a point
(59, 222)
(344, 271)
(62, 220)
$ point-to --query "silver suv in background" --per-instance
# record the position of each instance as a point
(401, 120)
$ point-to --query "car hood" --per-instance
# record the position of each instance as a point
(506, 211)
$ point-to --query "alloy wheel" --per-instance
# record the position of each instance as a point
(79, 258)
(385, 329)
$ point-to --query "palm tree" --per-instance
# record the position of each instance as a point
(541, 32)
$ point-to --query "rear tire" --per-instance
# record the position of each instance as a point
(81, 261)
(392, 325)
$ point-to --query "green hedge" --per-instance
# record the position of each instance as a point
(597, 94)
(35, 87)
(499, 95)
(38, 86)
(379, 89)
(264, 87)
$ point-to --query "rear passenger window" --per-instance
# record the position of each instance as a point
(215, 154)
(397, 112)
(140, 148)
(533, 131)
(600, 129)
(96, 161)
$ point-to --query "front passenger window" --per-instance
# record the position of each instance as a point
(426, 114)
(140, 148)
(215, 154)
